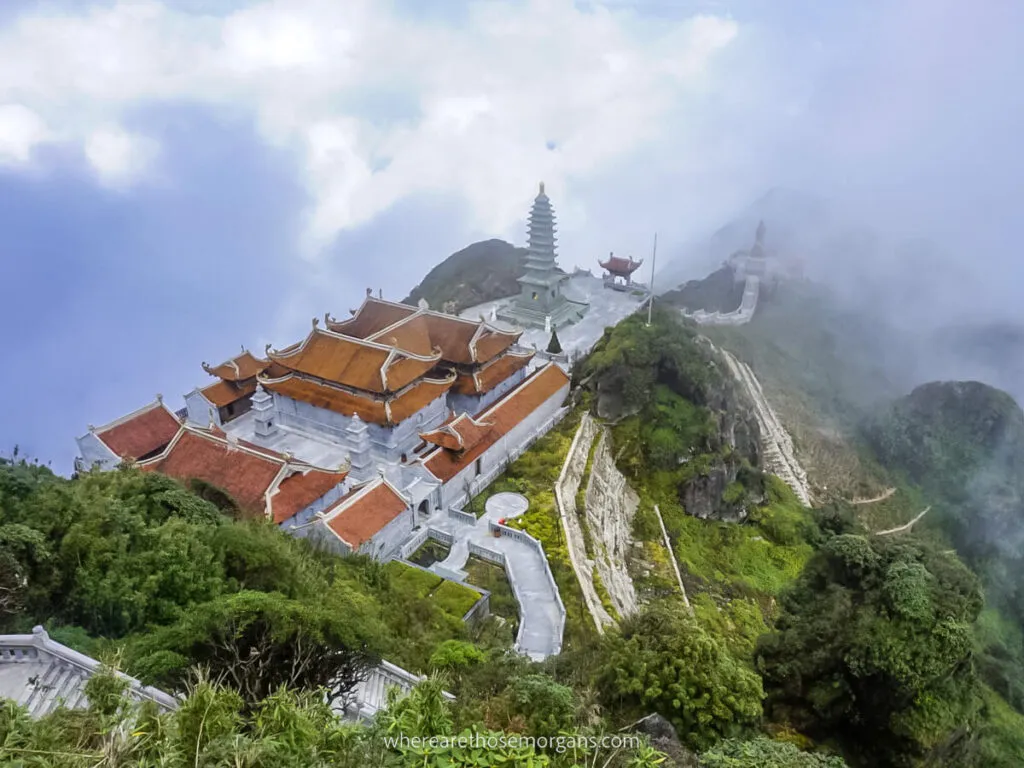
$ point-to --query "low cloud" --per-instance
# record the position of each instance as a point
(512, 93)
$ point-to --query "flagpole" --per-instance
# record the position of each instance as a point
(650, 301)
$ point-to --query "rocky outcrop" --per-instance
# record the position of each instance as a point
(565, 496)
(663, 737)
(610, 505)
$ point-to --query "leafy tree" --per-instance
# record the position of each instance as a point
(260, 641)
(765, 753)
(661, 659)
(874, 644)
(456, 654)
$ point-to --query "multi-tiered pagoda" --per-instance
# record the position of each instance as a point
(541, 303)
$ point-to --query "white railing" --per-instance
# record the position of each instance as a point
(526, 538)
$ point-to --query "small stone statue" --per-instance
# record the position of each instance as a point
(494, 313)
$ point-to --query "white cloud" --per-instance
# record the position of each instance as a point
(21, 130)
(492, 92)
(119, 158)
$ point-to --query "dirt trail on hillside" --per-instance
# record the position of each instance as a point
(905, 526)
(880, 497)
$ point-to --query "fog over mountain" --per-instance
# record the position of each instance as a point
(224, 171)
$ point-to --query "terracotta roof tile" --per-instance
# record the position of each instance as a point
(421, 331)
(374, 315)
(368, 408)
(238, 368)
(363, 512)
(487, 377)
(503, 416)
(299, 490)
(226, 392)
(620, 266)
(411, 335)
(352, 362)
(141, 433)
(245, 471)
(493, 342)
(460, 433)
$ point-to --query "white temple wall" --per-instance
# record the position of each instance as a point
(382, 546)
(474, 404)
(387, 443)
(308, 514)
(480, 472)
(93, 452)
(200, 410)
(390, 538)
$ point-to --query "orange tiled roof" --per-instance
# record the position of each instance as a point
(238, 368)
(379, 410)
(353, 362)
(224, 393)
(491, 375)
(421, 330)
(460, 433)
(364, 511)
(246, 471)
(493, 342)
(374, 315)
(502, 417)
(140, 433)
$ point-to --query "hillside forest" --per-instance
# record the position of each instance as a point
(804, 639)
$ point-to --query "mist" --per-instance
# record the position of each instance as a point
(879, 141)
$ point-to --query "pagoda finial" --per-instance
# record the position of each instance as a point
(542, 188)
(760, 231)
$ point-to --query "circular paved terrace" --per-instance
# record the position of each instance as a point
(506, 505)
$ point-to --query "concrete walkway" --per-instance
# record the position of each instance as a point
(541, 615)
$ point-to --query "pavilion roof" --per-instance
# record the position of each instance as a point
(491, 374)
(620, 266)
(140, 433)
(261, 481)
(421, 331)
(224, 393)
(238, 368)
(459, 433)
(364, 511)
(358, 363)
(385, 410)
(444, 462)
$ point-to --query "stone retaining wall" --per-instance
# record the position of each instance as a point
(565, 498)
(610, 507)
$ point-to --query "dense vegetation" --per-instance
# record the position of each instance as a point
(963, 442)
(806, 636)
(135, 561)
(873, 648)
(479, 273)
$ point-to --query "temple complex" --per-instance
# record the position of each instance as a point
(541, 303)
(619, 271)
(356, 433)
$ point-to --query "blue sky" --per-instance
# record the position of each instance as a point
(181, 178)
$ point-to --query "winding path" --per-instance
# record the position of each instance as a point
(905, 526)
(880, 497)
(541, 613)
